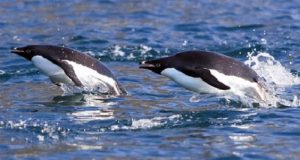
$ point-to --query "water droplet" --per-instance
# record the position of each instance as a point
(41, 138)
(185, 42)
(263, 41)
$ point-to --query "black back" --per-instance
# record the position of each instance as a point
(56, 54)
(193, 63)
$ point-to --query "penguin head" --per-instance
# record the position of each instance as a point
(32, 50)
(27, 52)
(156, 66)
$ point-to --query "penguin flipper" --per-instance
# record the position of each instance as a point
(70, 73)
(206, 76)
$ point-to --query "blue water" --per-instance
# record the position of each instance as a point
(156, 120)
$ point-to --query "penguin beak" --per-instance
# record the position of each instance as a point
(146, 65)
(17, 51)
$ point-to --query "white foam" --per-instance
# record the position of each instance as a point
(144, 49)
(272, 70)
(184, 43)
(70, 89)
(41, 138)
(47, 130)
(146, 123)
(277, 79)
(117, 51)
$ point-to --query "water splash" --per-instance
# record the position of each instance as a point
(45, 129)
(145, 49)
(117, 51)
(277, 80)
(271, 70)
(100, 91)
(184, 43)
(147, 123)
(70, 89)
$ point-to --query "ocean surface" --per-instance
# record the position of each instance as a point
(158, 119)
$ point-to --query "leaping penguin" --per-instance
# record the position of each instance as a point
(67, 66)
(208, 72)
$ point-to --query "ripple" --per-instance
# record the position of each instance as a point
(191, 27)
(2, 72)
(240, 27)
(156, 118)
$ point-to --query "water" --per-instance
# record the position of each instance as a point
(157, 119)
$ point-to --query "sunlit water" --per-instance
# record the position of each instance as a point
(157, 119)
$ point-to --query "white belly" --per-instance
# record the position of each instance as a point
(53, 71)
(92, 79)
(238, 86)
(89, 78)
(188, 82)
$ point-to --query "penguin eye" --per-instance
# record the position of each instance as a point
(28, 51)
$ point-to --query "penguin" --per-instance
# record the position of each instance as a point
(66, 66)
(208, 72)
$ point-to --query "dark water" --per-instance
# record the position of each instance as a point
(156, 120)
